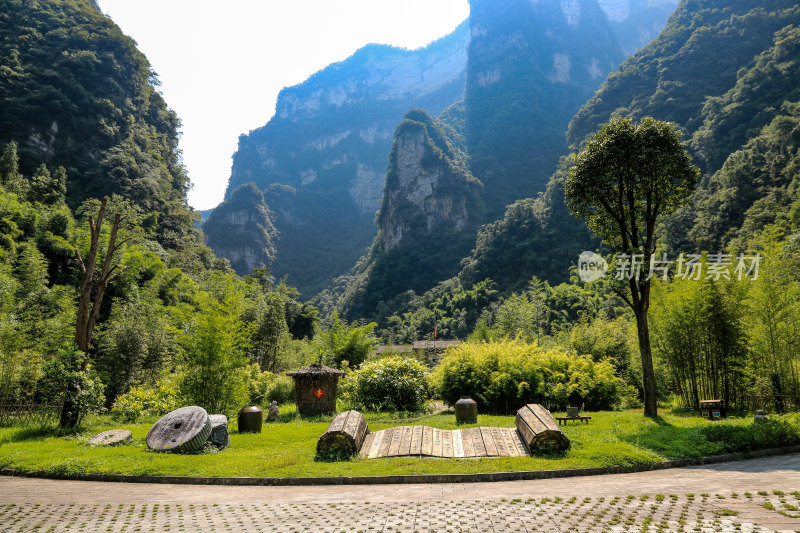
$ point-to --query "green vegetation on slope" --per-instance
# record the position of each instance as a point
(77, 93)
(698, 55)
(529, 71)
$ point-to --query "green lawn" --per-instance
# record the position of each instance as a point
(287, 448)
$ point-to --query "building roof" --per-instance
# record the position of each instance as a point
(315, 369)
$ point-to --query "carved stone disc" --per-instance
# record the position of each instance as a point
(183, 430)
(112, 437)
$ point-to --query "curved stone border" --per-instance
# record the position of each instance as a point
(404, 479)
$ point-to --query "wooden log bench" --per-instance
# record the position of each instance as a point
(539, 430)
(579, 418)
(536, 429)
(345, 435)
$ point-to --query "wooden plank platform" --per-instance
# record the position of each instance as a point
(423, 441)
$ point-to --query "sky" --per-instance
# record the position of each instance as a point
(222, 63)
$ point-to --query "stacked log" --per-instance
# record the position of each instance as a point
(344, 435)
(539, 430)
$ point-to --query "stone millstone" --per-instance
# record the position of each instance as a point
(219, 432)
(183, 430)
(112, 437)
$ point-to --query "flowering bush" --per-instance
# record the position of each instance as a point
(138, 402)
(503, 376)
(389, 384)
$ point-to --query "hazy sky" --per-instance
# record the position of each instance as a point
(222, 63)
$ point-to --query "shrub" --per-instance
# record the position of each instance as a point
(390, 384)
(503, 376)
(771, 433)
(265, 387)
(139, 402)
(348, 342)
(64, 382)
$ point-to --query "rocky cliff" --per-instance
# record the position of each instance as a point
(532, 64)
(431, 210)
(241, 230)
(429, 192)
(636, 22)
(329, 141)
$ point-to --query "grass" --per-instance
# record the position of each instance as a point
(288, 448)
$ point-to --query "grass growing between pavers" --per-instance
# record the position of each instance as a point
(288, 448)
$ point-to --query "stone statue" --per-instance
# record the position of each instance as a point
(272, 414)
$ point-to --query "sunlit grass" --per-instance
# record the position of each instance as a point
(288, 448)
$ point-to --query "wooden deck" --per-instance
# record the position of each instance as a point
(423, 441)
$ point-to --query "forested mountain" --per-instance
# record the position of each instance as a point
(727, 73)
(321, 159)
(105, 283)
(432, 207)
(78, 94)
(530, 67)
(241, 229)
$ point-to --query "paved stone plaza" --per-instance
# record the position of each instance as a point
(756, 495)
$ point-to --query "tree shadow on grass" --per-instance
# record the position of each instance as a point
(550, 454)
(671, 441)
(660, 421)
(41, 432)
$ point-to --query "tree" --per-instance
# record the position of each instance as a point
(66, 379)
(348, 342)
(10, 178)
(214, 355)
(88, 307)
(270, 333)
(47, 188)
(623, 181)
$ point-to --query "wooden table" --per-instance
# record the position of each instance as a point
(580, 418)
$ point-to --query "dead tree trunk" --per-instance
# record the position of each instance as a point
(88, 307)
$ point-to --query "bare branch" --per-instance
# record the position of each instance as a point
(111, 278)
(622, 295)
(80, 260)
(120, 243)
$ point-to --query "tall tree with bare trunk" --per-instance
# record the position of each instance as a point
(89, 304)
